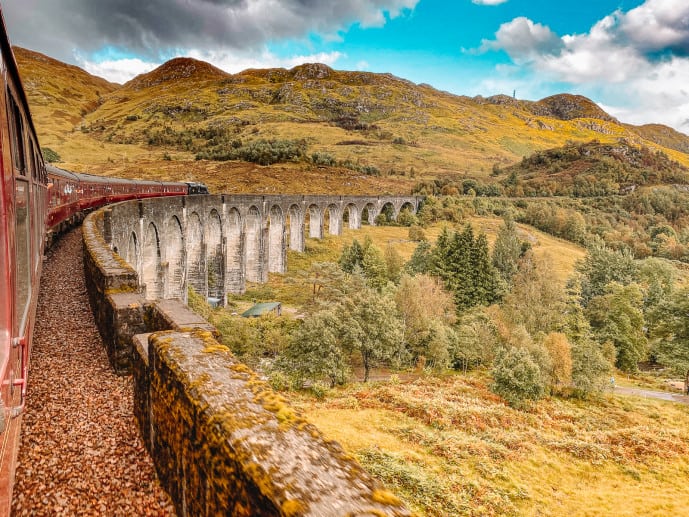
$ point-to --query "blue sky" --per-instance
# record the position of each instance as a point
(630, 56)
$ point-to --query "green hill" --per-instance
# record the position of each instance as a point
(375, 131)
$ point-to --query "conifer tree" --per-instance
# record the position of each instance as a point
(485, 281)
(421, 260)
(352, 256)
(506, 251)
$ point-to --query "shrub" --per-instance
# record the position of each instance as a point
(322, 158)
(263, 152)
(517, 378)
(49, 155)
(416, 233)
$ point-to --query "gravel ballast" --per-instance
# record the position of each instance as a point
(80, 451)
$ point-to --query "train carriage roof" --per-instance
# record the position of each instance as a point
(54, 171)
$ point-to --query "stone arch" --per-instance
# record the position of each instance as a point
(406, 207)
(196, 263)
(234, 253)
(215, 263)
(151, 266)
(333, 219)
(368, 214)
(253, 245)
(133, 258)
(387, 213)
(276, 240)
(295, 223)
(351, 215)
(175, 259)
(313, 219)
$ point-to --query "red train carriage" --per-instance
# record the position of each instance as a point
(63, 196)
(23, 203)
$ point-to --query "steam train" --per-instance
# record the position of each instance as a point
(36, 203)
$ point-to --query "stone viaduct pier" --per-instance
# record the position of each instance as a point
(216, 244)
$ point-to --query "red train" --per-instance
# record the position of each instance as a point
(36, 202)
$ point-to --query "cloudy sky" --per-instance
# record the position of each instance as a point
(630, 56)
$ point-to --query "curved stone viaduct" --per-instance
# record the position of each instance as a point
(222, 441)
(216, 244)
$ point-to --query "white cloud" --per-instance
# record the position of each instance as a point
(118, 70)
(122, 70)
(635, 62)
(524, 40)
(363, 65)
(488, 2)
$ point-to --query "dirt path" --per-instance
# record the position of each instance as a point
(660, 395)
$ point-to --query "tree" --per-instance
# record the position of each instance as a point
(352, 257)
(363, 321)
(617, 317)
(317, 351)
(671, 334)
(560, 352)
(421, 260)
(517, 377)
(324, 280)
(536, 301)
(463, 263)
(657, 277)
(393, 264)
(374, 267)
(485, 278)
(590, 368)
(371, 326)
(49, 155)
(507, 250)
(255, 339)
(477, 340)
(602, 266)
(428, 313)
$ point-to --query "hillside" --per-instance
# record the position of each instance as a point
(60, 94)
(385, 131)
(591, 169)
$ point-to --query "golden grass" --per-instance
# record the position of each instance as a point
(449, 445)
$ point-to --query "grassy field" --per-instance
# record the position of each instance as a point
(449, 446)
(293, 290)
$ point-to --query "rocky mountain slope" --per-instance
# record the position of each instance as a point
(345, 122)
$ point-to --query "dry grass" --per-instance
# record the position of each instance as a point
(449, 446)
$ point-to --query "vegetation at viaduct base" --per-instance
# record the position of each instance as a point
(458, 328)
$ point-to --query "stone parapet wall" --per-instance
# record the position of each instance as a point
(226, 444)
(222, 441)
(111, 284)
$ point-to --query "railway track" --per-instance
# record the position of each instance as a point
(80, 451)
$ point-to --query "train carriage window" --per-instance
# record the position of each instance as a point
(23, 253)
(32, 161)
(17, 135)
